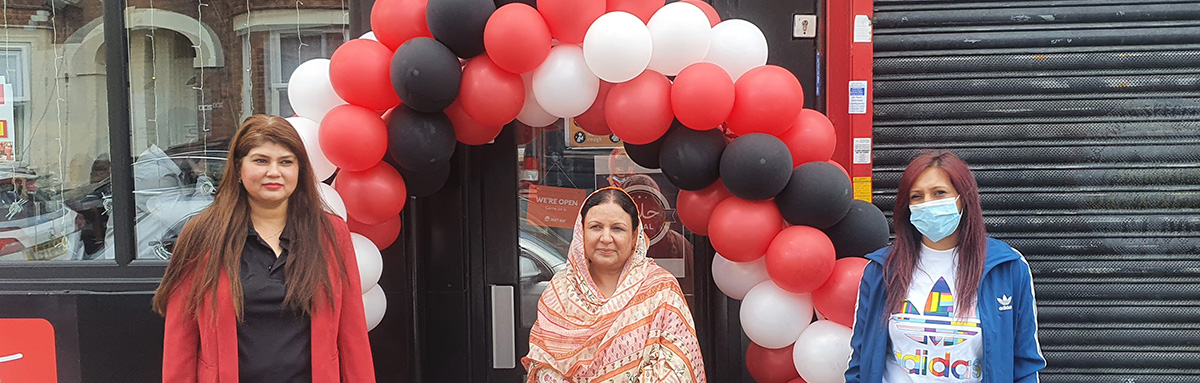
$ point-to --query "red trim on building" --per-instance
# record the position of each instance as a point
(847, 61)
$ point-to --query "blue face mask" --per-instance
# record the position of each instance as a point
(936, 219)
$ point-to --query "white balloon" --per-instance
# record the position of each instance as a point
(617, 47)
(310, 92)
(681, 34)
(370, 35)
(374, 305)
(532, 113)
(735, 279)
(772, 317)
(312, 144)
(563, 85)
(737, 47)
(332, 199)
(822, 352)
(370, 262)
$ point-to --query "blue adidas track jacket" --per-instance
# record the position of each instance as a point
(1006, 311)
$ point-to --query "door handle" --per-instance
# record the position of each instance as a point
(504, 331)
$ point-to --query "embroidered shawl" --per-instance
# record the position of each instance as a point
(642, 333)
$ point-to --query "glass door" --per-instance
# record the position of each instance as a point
(558, 166)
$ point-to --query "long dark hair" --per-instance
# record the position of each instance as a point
(212, 242)
(972, 236)
(614, 195)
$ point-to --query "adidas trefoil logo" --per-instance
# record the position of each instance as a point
(1005, 302)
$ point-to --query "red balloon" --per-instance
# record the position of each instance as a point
(836, 298)
(469, 131)
(593, 119)
(352, 137)
(397, 21)
(810, 138)
(696, 207)
(713, 17)
(517, 38)
(771, 366)
(742, 230)
(382, 234)
(372, 196)
(489, 94)
(360, 71)
(766, 100)
(643, 9)
(797, 380)
(569, 20)
(800, 259)
(702, 96)
(639, 110)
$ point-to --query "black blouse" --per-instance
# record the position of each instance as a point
(274, 343)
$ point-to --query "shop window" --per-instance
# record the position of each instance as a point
(286, 51)
(191, 86)
(54, 152)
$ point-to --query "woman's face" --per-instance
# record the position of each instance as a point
(270, 173)
(608, 236)
(932, 185)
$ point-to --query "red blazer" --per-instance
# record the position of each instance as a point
(205, 349)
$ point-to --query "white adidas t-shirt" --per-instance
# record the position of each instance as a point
(929, 343)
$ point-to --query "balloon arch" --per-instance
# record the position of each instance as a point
(729, 130)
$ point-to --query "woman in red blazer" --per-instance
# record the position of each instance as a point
(263, 285)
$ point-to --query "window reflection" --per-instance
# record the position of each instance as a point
(54, 158)
(195, 73)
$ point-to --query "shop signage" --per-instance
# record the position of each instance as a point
(27, 351)
(554, 206)
(8, 150)
(653, 207)
(579, 138)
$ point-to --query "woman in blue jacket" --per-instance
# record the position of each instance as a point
(944, 303)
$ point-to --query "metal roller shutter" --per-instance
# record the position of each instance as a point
(1081, 120)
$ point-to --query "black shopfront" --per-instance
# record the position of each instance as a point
(460, 280)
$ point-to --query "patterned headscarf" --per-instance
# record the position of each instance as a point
(643, 332)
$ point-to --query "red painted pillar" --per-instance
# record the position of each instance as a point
(849, 59)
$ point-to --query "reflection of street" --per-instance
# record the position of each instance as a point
(35, 223)
(171, 187)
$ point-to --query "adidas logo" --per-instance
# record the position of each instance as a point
(1005, 302)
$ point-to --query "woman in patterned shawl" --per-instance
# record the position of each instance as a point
(613, 315)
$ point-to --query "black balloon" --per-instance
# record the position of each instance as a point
(459, 24)
(646, 155)
(691, 159)
(426, 75)
(756, 166)
(863, 230)
(418, 141)
(501, 3)
(425, 184)
(817, 195)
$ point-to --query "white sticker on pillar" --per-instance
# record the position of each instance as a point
(858, 97)
(862, 151)
(862, 29)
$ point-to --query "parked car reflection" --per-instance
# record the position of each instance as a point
(34, 223)
(170, 188)
(538, 263)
